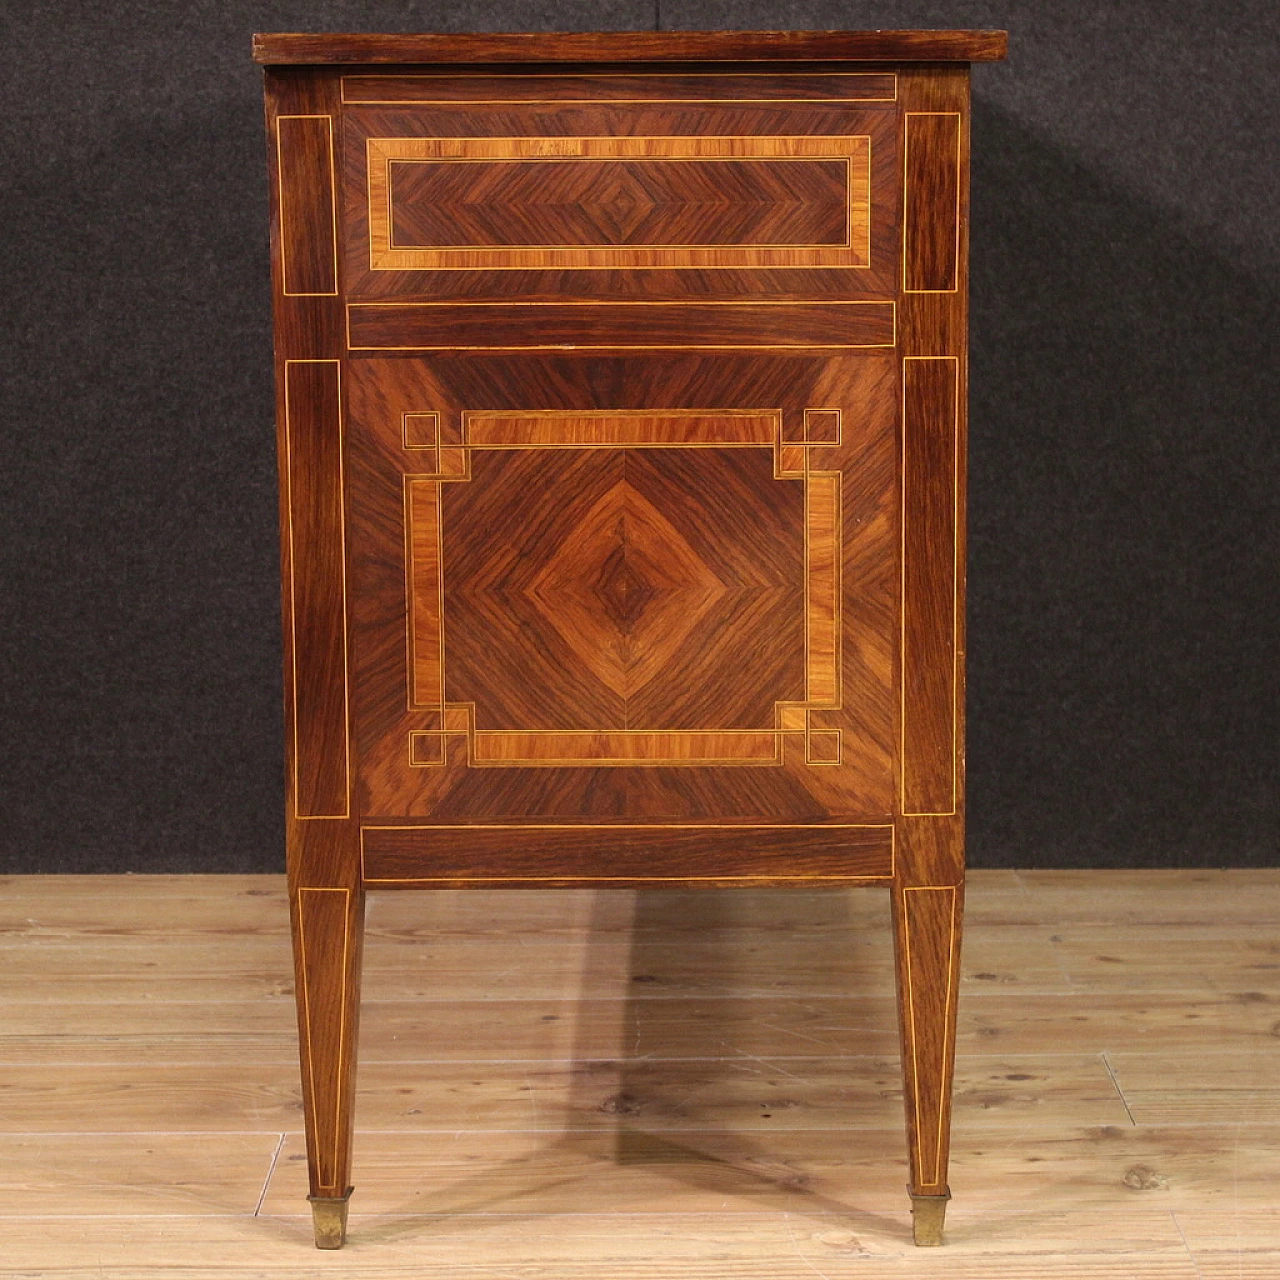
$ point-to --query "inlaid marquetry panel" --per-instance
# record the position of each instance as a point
(752, 185)
(472, 203)
(588, 202)
(621, 586)
(631, 607)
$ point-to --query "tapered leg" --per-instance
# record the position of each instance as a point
(328, 924)
(927, 944)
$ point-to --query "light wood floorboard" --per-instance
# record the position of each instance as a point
(694, 1085)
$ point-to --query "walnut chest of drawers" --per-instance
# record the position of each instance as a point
(621, 405)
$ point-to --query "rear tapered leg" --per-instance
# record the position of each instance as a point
(927, 946)
(328, 927)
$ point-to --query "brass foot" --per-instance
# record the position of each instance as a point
(329, 1217)
(927, 1216)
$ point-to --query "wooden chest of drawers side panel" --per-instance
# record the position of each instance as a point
(622, 429)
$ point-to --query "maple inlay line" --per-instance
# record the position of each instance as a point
(612, 202)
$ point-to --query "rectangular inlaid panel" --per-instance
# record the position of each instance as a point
(616, 855)
(598, 202)
(930, 402)
(680, 607)
(492, 199)
(931, 201)
(317, 587)
(682, 201)
(552, 326)
(653, 86)
(307, 201)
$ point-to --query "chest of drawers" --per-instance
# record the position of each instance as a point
(621, 408)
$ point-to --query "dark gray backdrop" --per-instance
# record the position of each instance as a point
(1123, 560)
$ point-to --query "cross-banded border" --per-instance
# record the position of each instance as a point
(632, 428)
(382, 153)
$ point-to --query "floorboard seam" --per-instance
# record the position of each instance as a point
(266, 1182)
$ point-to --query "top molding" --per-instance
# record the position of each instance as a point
(277, 49)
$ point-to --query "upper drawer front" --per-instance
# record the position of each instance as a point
(713, 185)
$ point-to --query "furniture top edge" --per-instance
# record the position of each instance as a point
(299, 48)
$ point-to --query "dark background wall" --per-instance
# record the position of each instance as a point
(1123, 607)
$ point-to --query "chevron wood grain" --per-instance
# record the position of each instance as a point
(622, 442)
(619, 202)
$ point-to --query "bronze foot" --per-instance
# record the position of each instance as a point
(329, 1217)
(927, 1216)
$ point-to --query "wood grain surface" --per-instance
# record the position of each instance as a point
(626, 856)
(634, 46)
(612, 326)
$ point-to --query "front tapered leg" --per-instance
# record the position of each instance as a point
(927, 945)
(328, 924)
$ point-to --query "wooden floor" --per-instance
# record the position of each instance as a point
(661, 1084)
